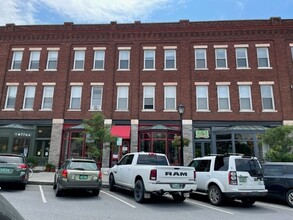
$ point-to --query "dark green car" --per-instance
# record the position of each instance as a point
(78, 174)
(13, 170)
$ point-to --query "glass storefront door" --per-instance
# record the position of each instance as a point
(42, 151)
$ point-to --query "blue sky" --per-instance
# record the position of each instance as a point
(26, 12)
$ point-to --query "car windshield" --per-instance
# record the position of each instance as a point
(248, 165)
(82, 165)
(146, 159)
(11, 159)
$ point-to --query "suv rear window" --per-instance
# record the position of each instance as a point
(11, 159)
(152, 160)
(82, 165)
(251, 166)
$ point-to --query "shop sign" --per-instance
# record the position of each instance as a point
(22, 134)
(202, 134)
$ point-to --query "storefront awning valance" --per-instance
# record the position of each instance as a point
(243, 128)
(121, 131)
(17, 127)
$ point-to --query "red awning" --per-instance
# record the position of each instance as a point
(121, 131)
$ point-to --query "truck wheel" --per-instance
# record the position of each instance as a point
(215, 195)
(139, 191)
(178, 197)
(289, 197)
(248, 201)
(111, 183)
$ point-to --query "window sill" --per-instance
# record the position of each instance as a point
(203, 110)
(118, 110)
(76, 70)
(95, 110)
(14, 70)
(74, 110)
(222, 68)
(8, 110)
(243, 68)
(264, 68)
(98, 70)
(123, 69)
(197, 69)
(50, 70)
(148, 110)
(170, 69)
(225, 111)
(269, 111)
(244, 111)
(32, 70)
(26, 110)
(170, 110)
(46, 110)
(148, 70)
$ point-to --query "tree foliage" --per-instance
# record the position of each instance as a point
(177, 141)
(97, 134)
(280, 141)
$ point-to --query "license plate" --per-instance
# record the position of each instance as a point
(242, 179)
(177, 186)
(83, 177)
(5, 170)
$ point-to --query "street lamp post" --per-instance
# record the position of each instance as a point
(181, 111)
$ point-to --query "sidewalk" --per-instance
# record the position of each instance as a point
(41, 177)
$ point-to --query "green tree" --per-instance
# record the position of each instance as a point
(176, 142)
(280, 141)
(97, 134)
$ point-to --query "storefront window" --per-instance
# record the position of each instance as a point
(4, 144)
(244, 144)
(76, 145)
(21, 145)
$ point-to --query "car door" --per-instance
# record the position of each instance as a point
(203, 173)
(274, 180)
(123, 169)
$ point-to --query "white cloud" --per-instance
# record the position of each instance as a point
(78, 11)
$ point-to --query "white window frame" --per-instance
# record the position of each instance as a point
(47, 99)
(148, 94)
(245, 97)
(16, 60)
(151, 58)
(99, 56)
(170, 52)
(269, 95)
(121, 96)
(218, 58)
(11, 96)
(75, 96)
(79, 56)
(52, 60)
(267, 57)
(202, 93)
(96, 101)
(34, 62)
(29, 97)
(170, 93)
(239, 58)
(124, 56)
(198, 58)
(221, 96)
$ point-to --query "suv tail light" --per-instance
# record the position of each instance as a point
(64, 173)
(22, 166)
(100, 175)
(153, 175)
(233, 178)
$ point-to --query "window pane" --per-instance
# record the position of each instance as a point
(79, 59)
(267, 97)
(124, 56)
(200, 56)
(149, 59)
(17, 58)
(262, 56)
(202, 97)
(221, 58)
(96, 102)
(99, 59)
(34, 60)
(48, 97)
(170, 97)
(52, 60)
(75, 97)
(170, 59)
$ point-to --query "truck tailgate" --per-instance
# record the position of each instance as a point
(175, 174)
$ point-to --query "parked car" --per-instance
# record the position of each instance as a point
(78, 174)
(231, 176)
(13, 170)
(278, 177)
(7, 211)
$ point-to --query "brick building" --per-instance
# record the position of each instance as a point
(234, 78)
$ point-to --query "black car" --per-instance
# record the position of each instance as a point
(278, 178)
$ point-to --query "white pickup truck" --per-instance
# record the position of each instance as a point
(147, 173)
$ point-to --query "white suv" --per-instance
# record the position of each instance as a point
(232, 176)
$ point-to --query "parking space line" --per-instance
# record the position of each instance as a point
(210, 207)
(42, 194)
(108, 194)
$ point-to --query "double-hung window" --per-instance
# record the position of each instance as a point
(11, 96)
(267, 97)
(29, 97)
(149, 59)
(52, 59)
(170, 58)
(170, 98)
(200, 54)
(202, 102)
(34, 63)
(79, 58)
(47, 100)
(149, 97)
(241, 57)
(17, 59)
(122, 97)
(99, 58)
(245, 97)
(96, 96)
(263, 59)
(75, 99)
(223, 97)
(221, 57)
(124, 58)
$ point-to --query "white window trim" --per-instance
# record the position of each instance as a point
(250, 99)
(206, 62)
(266, 46)
(13, 58)
(25, 97)
(74, 61)
(128, 49)
(95, 50)
(273, 98)
(92, 107)
(47, 64)
(30, 60)
(226, 59)
(7, 95)
(175, 107)
(153, 96)
(43, 97)
(207, 94)
(144, 59)
(229, 101)
(173, 48)
(127, 103)
(70, 103)
(246, 57)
